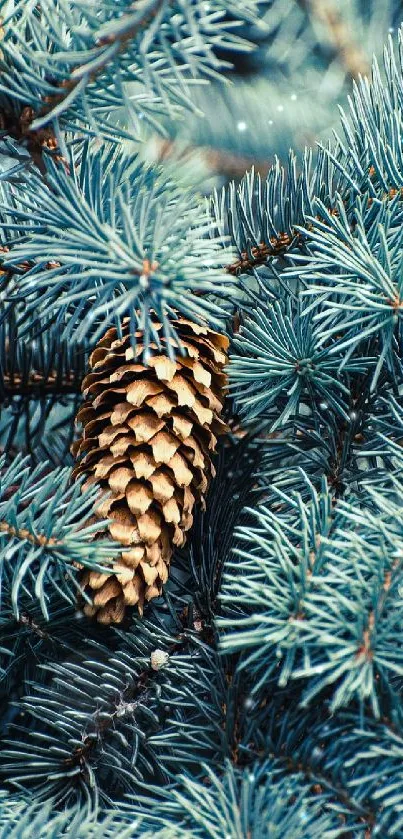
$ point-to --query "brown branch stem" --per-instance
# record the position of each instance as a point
(25, 535)
(259, 255)
(39, 384)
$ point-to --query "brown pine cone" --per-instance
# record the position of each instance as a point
(148, 434)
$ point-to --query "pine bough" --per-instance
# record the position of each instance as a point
(278, 708)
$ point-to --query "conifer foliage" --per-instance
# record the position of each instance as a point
(236, 374)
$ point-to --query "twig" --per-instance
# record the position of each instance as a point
(279, 244)
(259, 255)
(24, 534)
(19, 127)
(39, 385)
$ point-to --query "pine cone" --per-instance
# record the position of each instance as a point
(148, 433)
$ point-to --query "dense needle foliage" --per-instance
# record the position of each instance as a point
(261, 694)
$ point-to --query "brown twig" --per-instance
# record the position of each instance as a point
(27, 620)
(279, 244)
(12, 383)
(259, 255)
(35, 142)
(26, 535)
(38, 384)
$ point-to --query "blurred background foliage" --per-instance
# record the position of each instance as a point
(284, 93)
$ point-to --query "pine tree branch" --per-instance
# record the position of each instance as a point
(110, 264)
(323, 780)
(39, 384)
(119, 38)
(23, 534)
(126, 725)
(76, 63)
(28, 621)
(278, 245)
(46, 532)
(259, 255)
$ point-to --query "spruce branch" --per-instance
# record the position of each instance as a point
(116, 716)
(110, 41)
(38, 364)
(33, 639)
(37, 142)
(242, 802)
(128, 241)
(365, 161)
(268, 371)
(142, 57)
(328, 749)
(45, 532)
(20, 818)
(363, 268)
(367, 780)
(262, 217)
(329, 610)
(293, 673)
(259, 254)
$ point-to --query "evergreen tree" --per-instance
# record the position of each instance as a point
(201, 601)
